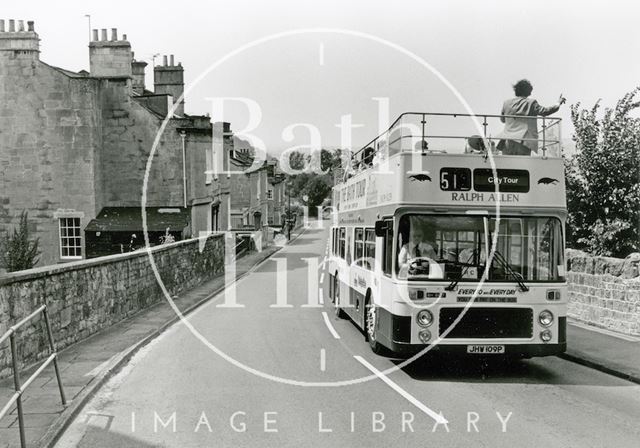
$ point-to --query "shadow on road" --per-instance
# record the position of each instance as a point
(548, 370)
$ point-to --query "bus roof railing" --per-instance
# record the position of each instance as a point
(547, 124)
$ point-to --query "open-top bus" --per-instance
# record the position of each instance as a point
(415, 222)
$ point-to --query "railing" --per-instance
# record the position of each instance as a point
(16, 398)
(420, 129)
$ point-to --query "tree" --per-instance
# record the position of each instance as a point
(603, 179)
(18, 251)
(315, 187)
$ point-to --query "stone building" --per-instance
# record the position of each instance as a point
(75, 148)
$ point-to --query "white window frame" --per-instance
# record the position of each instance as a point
(60, 244)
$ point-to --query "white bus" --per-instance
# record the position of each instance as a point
(413, 220)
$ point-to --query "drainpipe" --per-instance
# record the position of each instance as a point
(183, 136)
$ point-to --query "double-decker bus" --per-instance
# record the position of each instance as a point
(437, 243)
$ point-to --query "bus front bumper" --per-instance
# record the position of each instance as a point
(511, 350)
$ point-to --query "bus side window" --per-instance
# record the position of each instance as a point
(387, 253)
(370, 249)
(358, 241)
(342, 242)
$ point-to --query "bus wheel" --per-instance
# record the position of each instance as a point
(339, 313)
(371, 327)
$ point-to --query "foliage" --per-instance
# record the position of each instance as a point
(603, 179)
(18, 250)
(167, 238)
(313, 187)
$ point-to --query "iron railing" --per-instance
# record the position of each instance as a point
(16, 398)
(549, 133)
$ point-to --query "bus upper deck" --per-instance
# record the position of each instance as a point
(402, 167)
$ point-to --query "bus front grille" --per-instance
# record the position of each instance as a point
(487, 323)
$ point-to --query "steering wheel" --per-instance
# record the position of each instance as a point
(420, 265)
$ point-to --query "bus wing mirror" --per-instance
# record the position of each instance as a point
(381, 228)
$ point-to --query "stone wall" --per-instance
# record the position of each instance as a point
(604, 292)
(87, 296)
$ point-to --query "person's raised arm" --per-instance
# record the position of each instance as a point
(544, 111)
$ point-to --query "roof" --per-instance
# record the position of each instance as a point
(126, 219)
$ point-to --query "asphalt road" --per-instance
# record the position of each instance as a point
(257, 382)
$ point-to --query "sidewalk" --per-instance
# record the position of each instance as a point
(88, 364)
(615, 355)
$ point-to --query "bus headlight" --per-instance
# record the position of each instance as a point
(545, 335)
(424, 318)
(545, 318)
(425, 336)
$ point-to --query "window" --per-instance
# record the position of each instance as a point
(70, 238)
(370, 248)
(237, 221)
(452, 248)
(342, 244)
(359, 246)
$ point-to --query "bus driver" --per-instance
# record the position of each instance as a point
(420, 244)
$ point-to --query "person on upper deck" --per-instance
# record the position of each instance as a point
(520, 135)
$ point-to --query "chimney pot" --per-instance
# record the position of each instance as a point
(95, 35)
(30, 25)
(12, 25)
(124, 37)
(21, 25)
(171, 60)
(164, 60)
(103, 34)
(1, 25)
(114, 34)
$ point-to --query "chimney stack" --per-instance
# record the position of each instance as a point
(110, 58)
(137, 75)
(23, 43)
(168, 78)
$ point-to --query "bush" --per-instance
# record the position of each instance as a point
(603, 180)
(17, 250)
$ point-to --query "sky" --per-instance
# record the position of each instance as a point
(587, 50)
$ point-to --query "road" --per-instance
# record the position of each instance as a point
(249, 386)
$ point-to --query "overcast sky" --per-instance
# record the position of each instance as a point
(586, 50)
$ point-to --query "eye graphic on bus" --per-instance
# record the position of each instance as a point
(547, 181)
(419, 177)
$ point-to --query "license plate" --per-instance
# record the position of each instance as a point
(485, 349)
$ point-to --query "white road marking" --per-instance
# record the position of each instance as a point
(329, 326)
(320, 296)
(323, 360)
(438, 417)
(322, 278)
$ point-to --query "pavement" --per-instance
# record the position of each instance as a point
(87, 365)
(261, 367)
(617, 355)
